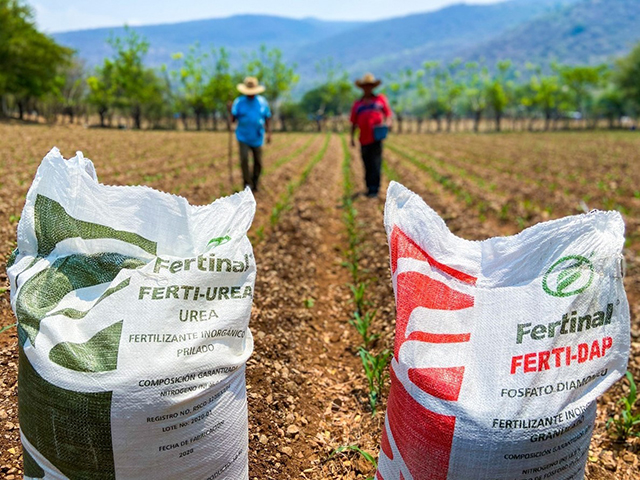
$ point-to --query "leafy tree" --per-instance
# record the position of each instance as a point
(179, 102)
(192, 79)
(329, 98)
(129, 77)
(30, 61)
(101, 90)
(73, 93)
(581, 81)
(398, 92)
(436, 109)
(499, 91)
(524, 102)
(157, 102)
(451, 88)
(611, 104)
(442, 88)
(430, 103)
(270, 68)
(221, 88)
(476, 92)
(293, 116)
(123, 83)
(627, 76)
(333, 97)
(546, 94)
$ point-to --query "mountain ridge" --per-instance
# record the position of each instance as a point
(587, 32)
(570, 31)
(237, 33)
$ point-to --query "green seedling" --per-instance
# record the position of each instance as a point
(260, 233)
(444, 180)
(309, 303)
(375, 367)
(352, 266)
(390, 172)
(504, 212)
(359, 290)
(625, 423)
(14, 218)
(7, 327)
(350, 220)
(354, 448)
(282, 160)
(152, 178)
(362, 323)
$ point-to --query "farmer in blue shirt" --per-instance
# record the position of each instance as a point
(252, 113)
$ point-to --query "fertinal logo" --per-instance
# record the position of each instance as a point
(570, 275)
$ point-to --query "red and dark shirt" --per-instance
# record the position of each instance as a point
(366, 113)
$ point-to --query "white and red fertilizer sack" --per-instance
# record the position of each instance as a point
(133, 309)
(502, 346)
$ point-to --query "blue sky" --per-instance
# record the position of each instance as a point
(62, 15)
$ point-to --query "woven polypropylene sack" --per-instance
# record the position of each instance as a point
(133, 309)
(502, 346)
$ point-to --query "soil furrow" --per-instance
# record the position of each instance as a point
(276, 184)
(299, 327)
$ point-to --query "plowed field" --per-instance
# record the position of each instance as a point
(306, 386)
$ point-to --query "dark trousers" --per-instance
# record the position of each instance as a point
(250, 178)
(372, 158)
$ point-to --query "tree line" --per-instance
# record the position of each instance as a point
(553, 96)
(200, 86)
(40, 77)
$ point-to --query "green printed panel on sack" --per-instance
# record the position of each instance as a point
(63, 438)
(44, 291)
(53, 224)
(31, 467)
(99, 354)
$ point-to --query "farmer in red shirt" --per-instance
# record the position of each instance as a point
(372, 116)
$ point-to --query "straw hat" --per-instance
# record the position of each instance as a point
(368, 79)
(250, 86)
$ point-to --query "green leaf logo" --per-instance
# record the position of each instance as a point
(216, 242)
(570, 275)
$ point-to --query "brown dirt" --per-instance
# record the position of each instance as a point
(306, 386)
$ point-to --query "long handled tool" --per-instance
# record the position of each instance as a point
(230, 150)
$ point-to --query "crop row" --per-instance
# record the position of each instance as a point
(375, 365)
(591, 171)
(284, 202)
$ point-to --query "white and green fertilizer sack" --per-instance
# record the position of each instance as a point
(502, 346)
(133, 309)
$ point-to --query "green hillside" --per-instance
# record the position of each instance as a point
(589, 32)
(240, 33)
(389, 45)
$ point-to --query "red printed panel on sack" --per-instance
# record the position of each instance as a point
(423, 438)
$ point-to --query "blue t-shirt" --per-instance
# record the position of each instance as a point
(251, 114)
